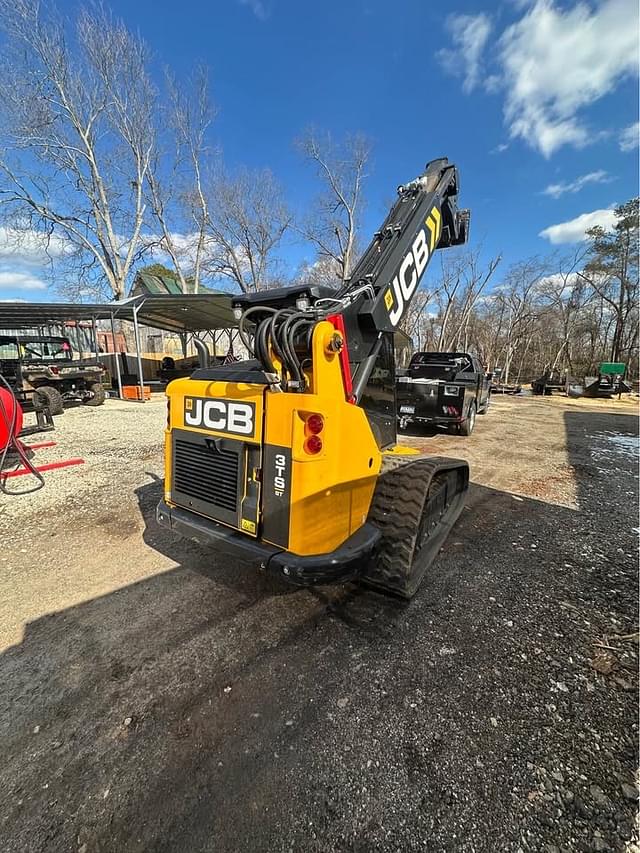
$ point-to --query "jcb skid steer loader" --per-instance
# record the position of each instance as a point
(289, 460)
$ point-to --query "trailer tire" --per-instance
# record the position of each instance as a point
(47, 396)
(99, 394)
(467, 425)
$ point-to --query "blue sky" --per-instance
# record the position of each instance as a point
(523, 96)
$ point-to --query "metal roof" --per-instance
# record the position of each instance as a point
(150, 284)
(192, 312)
(181, 313)
(155, 284)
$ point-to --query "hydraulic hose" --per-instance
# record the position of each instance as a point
(244, 335)
(276, 333)
(292, 327)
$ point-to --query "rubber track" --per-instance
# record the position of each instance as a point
(404, 486)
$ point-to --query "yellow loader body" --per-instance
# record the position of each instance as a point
(238, 454)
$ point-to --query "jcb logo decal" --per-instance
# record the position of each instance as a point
(413, 265)
(219, 415)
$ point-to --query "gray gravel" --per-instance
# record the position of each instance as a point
(189, 705)
(118, 442)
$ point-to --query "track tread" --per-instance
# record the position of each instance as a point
(404, 486)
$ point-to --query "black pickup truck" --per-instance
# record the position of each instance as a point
(445, 389)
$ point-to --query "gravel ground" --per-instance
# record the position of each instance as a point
(116, 442)
(156, 698)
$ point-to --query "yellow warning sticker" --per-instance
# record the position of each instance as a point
(188, 403)
(247, 525)
(388, 299)
(438, 218)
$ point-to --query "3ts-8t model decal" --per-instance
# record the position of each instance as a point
(227, 416)
(276, 494)
(413, 265)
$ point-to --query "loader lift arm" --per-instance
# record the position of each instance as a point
(379, 291)
(290, 459)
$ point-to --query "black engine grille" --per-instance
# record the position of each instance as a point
(206, 476)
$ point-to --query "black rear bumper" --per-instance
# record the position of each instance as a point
(438, 420)
(344, 564)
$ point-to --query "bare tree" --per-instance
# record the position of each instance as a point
(333, 225)
(518, 297)
(77, 134)
(612, 272)
(176, 181)
(475, 278)
(450, 282)
(321, 271)
(159, 202)
(247, 220)
(416, 322)
(461, 283)
(567, 297)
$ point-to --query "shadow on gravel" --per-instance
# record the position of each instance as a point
(210, 708)
(347, 603)
(596, 447)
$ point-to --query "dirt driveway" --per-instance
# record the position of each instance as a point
(156, 698)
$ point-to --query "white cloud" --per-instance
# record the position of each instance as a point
(574, 231)
(557, 190)
(31, 247)
(566, 284)
(557, 61)
(184, 245)
(551, 64)
(20, 281)
(630, 137)
(257, 7)
(469, 34)
(499, 149)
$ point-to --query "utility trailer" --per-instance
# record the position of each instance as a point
(545, 385)
(609, 382)
(42, 373)
(503, 388)
(443, 389)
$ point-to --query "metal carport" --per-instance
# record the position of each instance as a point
(183, 314)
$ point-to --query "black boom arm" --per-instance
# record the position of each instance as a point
(425, 217)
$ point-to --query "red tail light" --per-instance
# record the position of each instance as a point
(314, 424)
(313, 444)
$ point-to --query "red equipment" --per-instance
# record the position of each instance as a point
(10, 429)
(9, 409)
(50, 466)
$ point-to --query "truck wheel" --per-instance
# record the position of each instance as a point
(47, 395)
(485, 408)
(99, 394)
(466, 427)
(414, 506)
